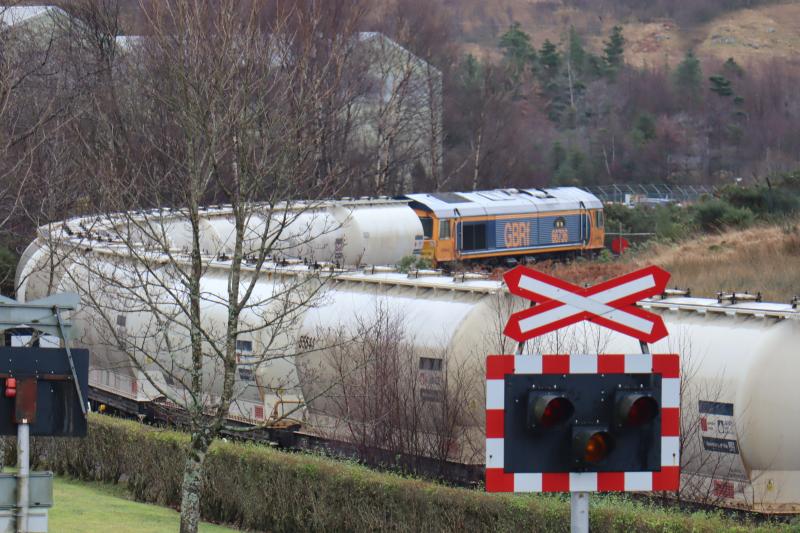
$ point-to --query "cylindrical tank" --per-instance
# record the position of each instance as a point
(133, 332)
(378, 235)
(372, 234)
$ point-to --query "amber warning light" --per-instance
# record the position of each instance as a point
(591, 445)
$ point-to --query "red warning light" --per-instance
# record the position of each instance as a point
(547, 410)
(556, 411)
(635, 409)
(643, 410)
(11, 388)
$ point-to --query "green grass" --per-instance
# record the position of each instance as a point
(81, 507)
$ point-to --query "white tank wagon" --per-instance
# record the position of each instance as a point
(346, 232)
(740, 402)
(116, 325)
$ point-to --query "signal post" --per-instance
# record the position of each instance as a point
(583, 423)
(43, 392)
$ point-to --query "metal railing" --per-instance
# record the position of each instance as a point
(674, 193)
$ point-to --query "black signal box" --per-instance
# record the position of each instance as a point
(37, 385)
(605, 429)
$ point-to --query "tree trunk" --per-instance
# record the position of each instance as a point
(192, 484)
(476, 165)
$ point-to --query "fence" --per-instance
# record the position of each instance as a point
(673, 193)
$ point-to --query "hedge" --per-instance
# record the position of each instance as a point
(260, 488)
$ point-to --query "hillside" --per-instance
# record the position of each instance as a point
(761, 31)
(760, 259)
(763, 259)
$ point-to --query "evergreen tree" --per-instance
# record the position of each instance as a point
(573, 169)
(689, 76)
(558, 156)
(732, 69)
(644, 129)
(517, 49)
(471, 71)
(576, 52)
(614, 50)
(549, 60)
(721, 85)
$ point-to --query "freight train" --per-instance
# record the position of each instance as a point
(740, 358)
(502, 225)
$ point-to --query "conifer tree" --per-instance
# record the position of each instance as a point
(721, 85)
(614, 50)
(689, 76)
(517, 49)
(549, 60)
(576, 54)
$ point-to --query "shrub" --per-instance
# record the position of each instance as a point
(605, 256)
(717, 214)
(764, 202)
(413, 262)
(259, 488)
(665, 222)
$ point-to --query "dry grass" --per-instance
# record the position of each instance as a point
(584, 272)
(649, 44)
(763, 259)
(750, 35)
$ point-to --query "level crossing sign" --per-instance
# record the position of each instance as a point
(611, 304)
(581, 423)
(576, 422)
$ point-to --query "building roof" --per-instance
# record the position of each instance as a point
(367, 36)
(13, 15)
(505, 201)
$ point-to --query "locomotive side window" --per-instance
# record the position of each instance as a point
(427, 227)
(444, 229)
(473, 236)
(598, 219)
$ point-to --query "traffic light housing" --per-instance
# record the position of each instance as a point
(591, 445)
(548, 410)
(582, 422)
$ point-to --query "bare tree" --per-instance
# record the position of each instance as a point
(221, 104)
(398, 116)
(33, 102)
(395, 398)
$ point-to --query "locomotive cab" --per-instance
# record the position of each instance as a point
(438, 244)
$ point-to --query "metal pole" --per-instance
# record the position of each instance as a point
(69, 358)
(521, 345)
(579, 512)
(23, 475)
